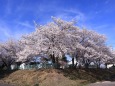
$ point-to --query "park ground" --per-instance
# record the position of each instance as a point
(58, 77)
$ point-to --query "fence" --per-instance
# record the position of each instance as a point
(35, 66)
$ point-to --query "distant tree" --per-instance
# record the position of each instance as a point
(8, 52)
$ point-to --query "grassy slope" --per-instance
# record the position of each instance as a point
(53, 77)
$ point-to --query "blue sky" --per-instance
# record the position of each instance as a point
(17, 16)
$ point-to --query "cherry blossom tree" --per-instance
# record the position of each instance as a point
(8, 52)
(95, 47)
(56, 39)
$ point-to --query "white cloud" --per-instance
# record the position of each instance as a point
(4, 32)
(8, 8)
(25, 24)
(72, 14)
(14, 31)
(107, 1)
(79, 16)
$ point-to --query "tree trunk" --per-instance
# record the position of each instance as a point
(76, 61)
(52, 58)
(98, 63)
(57, 60)
(54, 62)
(9, 67)
(87, 63)
(73, 62)
(2, 66)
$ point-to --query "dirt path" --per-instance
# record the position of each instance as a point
(105, 83)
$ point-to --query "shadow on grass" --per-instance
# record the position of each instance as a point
(91, 75)
(5, 73)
